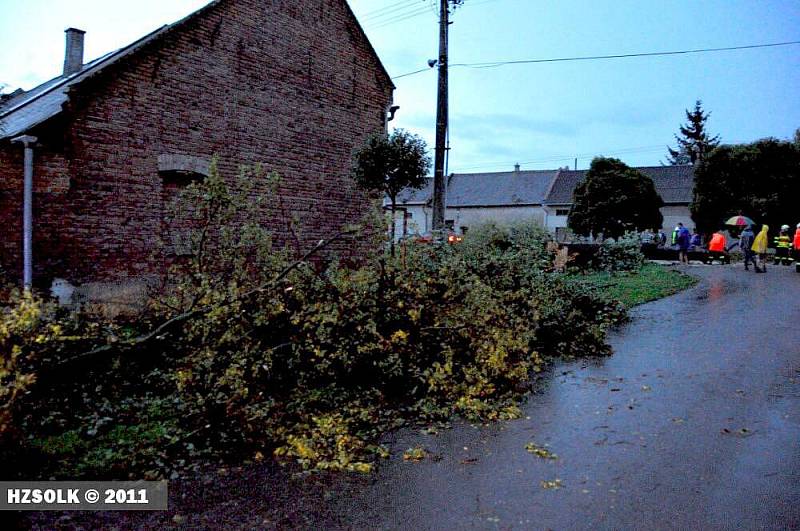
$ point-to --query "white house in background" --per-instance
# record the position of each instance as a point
(473, 198)
(544, 196)
(675, 185)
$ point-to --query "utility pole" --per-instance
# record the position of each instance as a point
(442, 118)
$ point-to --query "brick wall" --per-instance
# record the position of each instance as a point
(289, 84)
(51, 188)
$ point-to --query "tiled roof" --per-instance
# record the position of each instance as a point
(564, 186)
(29, 109)
(674, 184)
(488, 189)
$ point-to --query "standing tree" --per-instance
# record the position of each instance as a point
(694, 142)
(797, 137)
(614, 198)
(760, 180)
(390, 164)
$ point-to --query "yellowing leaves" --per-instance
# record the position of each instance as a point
(401, 336)
(417, 453)
(538, 451)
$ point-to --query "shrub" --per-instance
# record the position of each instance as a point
(622, 254)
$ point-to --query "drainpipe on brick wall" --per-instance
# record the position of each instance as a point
(27, 211)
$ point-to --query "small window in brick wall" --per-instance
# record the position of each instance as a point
(176, 172)
(177, 226)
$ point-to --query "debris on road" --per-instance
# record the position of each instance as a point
(540, 452)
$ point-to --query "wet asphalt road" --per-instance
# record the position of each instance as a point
(693, 423)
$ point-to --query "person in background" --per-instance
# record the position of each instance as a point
(675, 232)
(746, 244)
(696, 242)
(796, 245)
(661, 238)
(683, 240)
(783, 247)
(717, 247)
(648, 240)
(759, 247)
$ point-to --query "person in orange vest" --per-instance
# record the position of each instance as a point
(716, 247)
(796, 246)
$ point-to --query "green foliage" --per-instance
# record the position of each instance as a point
(309, 363)
(649, 283)
(622, 254)
(29, 331)
(391, 163)
(760, 180)
(694, 143)
(614, 199)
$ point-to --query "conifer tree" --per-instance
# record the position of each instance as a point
(694, 143)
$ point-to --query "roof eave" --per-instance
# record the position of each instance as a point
(369, 43)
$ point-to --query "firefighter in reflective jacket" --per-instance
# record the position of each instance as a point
(797, 249)
(783, 247)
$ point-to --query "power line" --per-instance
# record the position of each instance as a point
(386, 9)
(411, 73)
(623, 56)
(389, 15)
(616, 56)
(579, 156)
(401, 17)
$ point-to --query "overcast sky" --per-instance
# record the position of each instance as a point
(540, 115)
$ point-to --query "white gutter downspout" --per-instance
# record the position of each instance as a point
(27, 212)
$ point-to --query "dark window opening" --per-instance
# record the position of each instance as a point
(178, 218)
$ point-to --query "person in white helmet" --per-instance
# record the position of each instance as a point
(783, 247)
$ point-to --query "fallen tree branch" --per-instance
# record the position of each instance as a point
(165, 326)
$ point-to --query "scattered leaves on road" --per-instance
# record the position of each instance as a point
(538, 451)
(415, 454)
(554, 484)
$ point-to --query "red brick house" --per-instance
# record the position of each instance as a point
(294, 85)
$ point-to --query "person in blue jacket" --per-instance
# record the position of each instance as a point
(683, 240)
(696, 241)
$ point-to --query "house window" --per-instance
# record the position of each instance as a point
(179, 219)
(562, 212)
(409, 215)
(464, 229)
(449, 224)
